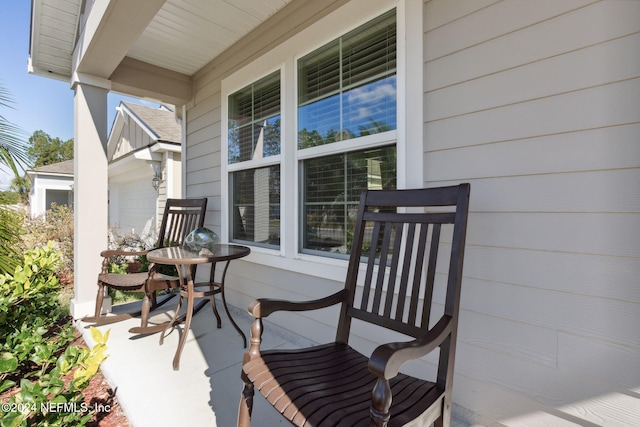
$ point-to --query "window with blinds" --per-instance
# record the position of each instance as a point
(254, 134)
(347, 88)
(254, 120)
(332, 187)
(256, 206)
(344, 96)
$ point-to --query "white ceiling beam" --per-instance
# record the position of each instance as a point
(111, 28)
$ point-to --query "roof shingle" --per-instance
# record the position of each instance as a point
(64, 167)
(161, 122)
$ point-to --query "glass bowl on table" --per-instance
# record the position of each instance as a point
(201, 240)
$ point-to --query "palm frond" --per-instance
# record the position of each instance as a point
(9, 236)
(13, 148)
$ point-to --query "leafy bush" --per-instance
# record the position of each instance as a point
(50, 400)
(34, 345)
(9, 197)
(30, 293)
(128, 242)
(123, 264)
(57, 227)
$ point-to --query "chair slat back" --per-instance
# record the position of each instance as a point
(400, 235)
(180, 217)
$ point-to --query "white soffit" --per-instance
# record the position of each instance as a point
(53, 31)
(184, 36)
(187, 34)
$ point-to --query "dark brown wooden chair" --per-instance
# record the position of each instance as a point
(180, 217)
(399, 236)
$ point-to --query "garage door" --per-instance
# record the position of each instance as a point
(135, 205)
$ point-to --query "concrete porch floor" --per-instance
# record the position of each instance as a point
(206, 390)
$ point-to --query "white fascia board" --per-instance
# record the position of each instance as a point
(166, 147)
(116, 131)
(147, 154)
(151, 153)
(41, 72)
(118, 125)
(133, 161)
(45, 174)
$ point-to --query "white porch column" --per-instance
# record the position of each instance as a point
(411, 145)
(90, 193)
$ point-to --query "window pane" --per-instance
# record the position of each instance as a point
(370, 108)
(254, 120)
(319, 122)
(319, 73)
(332, 187)
(255, 215)
(347, 88)
(370, 51)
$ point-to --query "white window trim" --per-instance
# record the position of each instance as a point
(409, 73)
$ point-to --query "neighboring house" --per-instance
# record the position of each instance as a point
(288, 105)
(144, 167)
(51, 184)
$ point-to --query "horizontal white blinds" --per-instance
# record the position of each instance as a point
(365, 54)
(254, 124)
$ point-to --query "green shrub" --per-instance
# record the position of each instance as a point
(35, 353)
(49, 400)
(9, 198)
(56, 227)
(31, 291)
(31, 327)
(123, 264)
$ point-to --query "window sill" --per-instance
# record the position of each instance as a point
(317, 266)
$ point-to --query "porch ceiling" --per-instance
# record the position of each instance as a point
(169, 38)
(187, 34)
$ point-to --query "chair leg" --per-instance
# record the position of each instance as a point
(146, 308)
(380, 403)
(444, 420)
(99, 299)
(246, 402)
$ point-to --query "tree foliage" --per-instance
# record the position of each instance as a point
(12, 154)
(12, 147)
(46, 150)
(21, 186)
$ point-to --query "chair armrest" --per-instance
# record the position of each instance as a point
(115, 252)
(263, 307)
(386, 360)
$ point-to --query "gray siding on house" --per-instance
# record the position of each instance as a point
(536, 104)
(133, 137)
